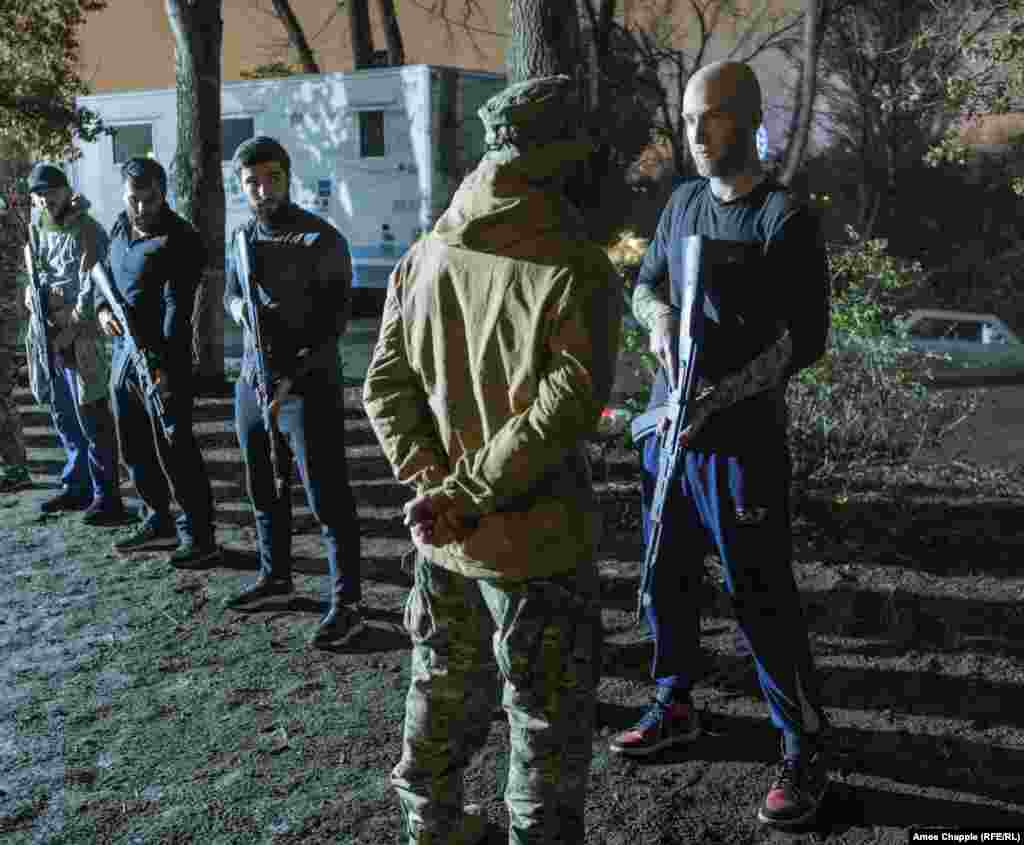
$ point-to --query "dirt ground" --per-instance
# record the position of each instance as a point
(136, 710)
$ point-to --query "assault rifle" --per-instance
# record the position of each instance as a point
(677, 411)
(136, 353)
(40, 309)
(679, 420)
(268, 399)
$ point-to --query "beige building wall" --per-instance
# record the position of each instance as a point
(129, 45)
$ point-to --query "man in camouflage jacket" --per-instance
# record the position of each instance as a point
(495, 358)
(72, 376)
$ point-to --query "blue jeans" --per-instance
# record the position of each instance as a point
(312, 433)
(163, 471)
(88, 436)
(738, 509)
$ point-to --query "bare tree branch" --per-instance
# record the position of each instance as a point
(471, 8)
(296, 36)
(886, 70)
(392, 33)
(808, 92)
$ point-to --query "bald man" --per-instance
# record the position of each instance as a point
(766, 298)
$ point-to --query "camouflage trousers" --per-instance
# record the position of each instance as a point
(12, 441)
(544, 638)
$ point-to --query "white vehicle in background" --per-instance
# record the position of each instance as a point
(377, 152)
(968, 338)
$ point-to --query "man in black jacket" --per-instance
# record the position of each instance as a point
(767, 290)
(301, 282)
(155, 261)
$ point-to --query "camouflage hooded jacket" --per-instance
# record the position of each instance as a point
(76, 336)
(496, 355)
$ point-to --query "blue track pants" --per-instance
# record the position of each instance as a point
(738, 509)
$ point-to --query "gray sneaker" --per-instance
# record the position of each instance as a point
(193, 555)
(14, 479)
(341, 624)
(262, 588)
(154, 533)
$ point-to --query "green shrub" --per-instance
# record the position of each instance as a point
(626, 253)
(866, 398)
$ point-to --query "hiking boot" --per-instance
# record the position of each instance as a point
(797, 791)
(342, 623)
(65, 500)
(664, 724)
(14, 479)
(194, 555)
(262, 588)
(155, 532)
(471, 831)
(104, 512)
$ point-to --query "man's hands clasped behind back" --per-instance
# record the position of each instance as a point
(431, 524)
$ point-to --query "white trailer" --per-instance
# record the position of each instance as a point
(376, 152)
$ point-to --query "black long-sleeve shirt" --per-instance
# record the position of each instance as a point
(303, 281)
(768, 275)
(157, 277)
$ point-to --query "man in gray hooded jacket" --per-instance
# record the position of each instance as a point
(67, 242)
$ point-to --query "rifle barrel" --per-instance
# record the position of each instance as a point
(264, 385)
(135, 353)
(690, 335)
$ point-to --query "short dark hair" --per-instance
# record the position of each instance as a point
(261, 149)
(146, 172)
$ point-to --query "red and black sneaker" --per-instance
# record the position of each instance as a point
(796, 793)
(663, 725)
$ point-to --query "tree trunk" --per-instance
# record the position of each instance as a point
(544, 39)
(594, 56)
(360, 34)
(600, 16)
(296, 36)
(808, 91)
(392, 33)
(198, 27)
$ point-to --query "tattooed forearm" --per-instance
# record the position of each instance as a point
(766, 371)
(649, 305)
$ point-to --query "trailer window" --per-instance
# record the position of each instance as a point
(235, 130)
(371, 134)
(131, 140)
